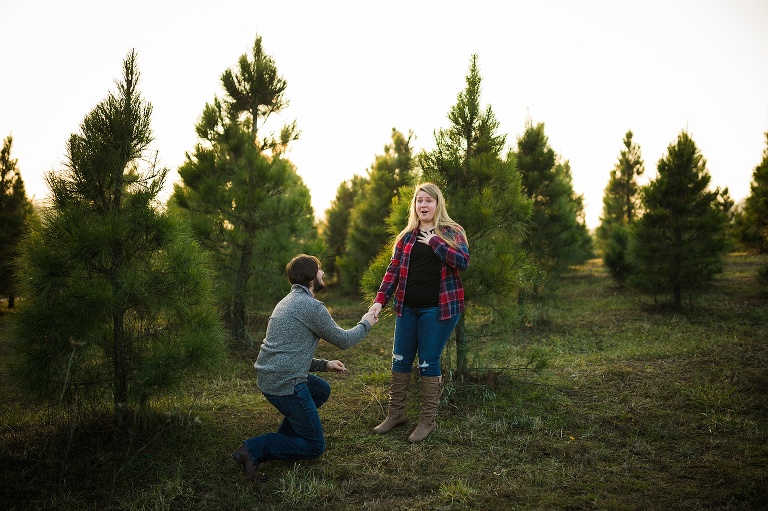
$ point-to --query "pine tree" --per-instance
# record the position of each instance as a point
(558, 236)
(336, 224)
(678, 244)
(248, 205)
(117, 293)
(752, 225)
(367, 231)
(14, 210)
(484, 194)
(620, 209)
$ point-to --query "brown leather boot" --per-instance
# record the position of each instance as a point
(430, 399)
(398, 393)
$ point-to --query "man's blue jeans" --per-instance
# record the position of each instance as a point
(421, 330)
(300, 435)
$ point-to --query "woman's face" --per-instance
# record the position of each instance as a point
(425, 207)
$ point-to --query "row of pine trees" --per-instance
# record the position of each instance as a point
(123, 296)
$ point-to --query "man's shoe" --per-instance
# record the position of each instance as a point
(250, 467)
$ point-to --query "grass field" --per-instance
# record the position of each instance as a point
(637, 408)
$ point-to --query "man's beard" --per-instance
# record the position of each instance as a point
(317, 286)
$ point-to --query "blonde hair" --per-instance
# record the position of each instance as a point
(442, 219)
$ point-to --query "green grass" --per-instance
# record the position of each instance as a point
(633, 407)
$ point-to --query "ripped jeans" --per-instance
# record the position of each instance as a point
(421, 331)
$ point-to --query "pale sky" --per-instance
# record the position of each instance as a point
(589, 70)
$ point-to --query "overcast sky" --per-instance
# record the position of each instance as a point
(589, 70)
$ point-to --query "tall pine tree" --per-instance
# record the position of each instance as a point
(247, 204)
(621, 202)
(678, 244)
(118, 297)
(14, 211)
(483, 192)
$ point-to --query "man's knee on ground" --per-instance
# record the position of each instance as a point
(316, 449)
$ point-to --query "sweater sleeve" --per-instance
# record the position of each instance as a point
(325, 326)
(318, 365)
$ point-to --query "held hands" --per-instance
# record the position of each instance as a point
(336, 366)
(370, 317)
(375, 310)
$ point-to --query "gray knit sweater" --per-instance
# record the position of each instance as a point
(295, 327)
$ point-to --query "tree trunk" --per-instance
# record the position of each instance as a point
(121, 370)
(11, 300)
(461, 348)
(238, 323)
(119, 348)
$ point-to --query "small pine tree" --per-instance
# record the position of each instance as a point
(117, 294)
(367, 230)
(620, 209)
(336, 225)
(558, 237)
(752, 225)
(679, 242)
(14, 210)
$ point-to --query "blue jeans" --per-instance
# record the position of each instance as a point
(421, 331)
(300, 435)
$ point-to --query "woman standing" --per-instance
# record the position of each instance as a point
(423, 274)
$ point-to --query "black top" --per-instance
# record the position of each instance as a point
(422, 288)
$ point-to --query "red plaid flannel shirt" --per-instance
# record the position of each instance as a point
(451, 300)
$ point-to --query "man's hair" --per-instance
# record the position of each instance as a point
(302, 269)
